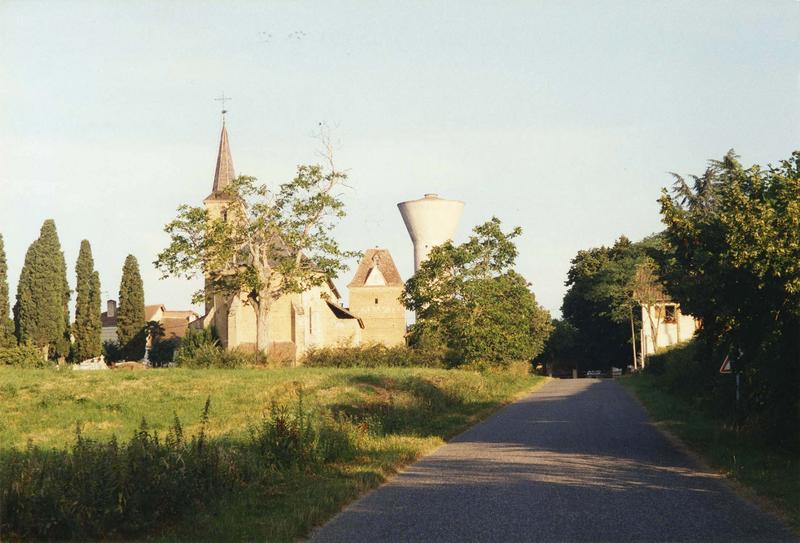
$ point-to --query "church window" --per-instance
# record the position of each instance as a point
(376, 300)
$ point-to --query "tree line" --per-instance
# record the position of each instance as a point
(40, 319)
(730, 256)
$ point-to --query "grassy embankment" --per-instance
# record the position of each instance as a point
(398, 413)
(771, 476)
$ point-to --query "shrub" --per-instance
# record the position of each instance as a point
(192, 342)
(23, 356)
(371, 356)
(163, 351)
(112, 351)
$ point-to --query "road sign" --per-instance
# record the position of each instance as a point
(726, 365)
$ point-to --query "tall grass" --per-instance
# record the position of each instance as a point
(275, 453)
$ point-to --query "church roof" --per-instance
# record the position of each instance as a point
(223, 175)
(376, 269)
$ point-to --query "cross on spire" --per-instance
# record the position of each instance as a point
(223, 99)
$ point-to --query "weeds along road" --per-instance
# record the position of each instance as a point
(576, 460)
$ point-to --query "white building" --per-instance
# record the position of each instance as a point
(669, 325)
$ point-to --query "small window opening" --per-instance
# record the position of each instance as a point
(669, 314)
(376, 300)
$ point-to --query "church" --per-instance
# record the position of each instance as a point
(315, 318)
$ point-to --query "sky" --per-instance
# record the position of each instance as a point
(564, 118)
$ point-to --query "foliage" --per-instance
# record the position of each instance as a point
(195, 340)
(600, 301)
(371, 356)
(255, 478)
(261, 244)
(769, 471)
(468, 298)
(87, 327)
(131, 332)
(100, 489)
(7, 338)
(41, 315)
(735, 263)
(22, 356)
(562, 350)
(162, 351)
(112, 351)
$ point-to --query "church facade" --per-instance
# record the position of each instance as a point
(315, 318)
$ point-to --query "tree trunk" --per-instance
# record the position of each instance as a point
(262, 325)
(633, 339)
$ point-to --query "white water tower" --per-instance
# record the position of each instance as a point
(430, 221)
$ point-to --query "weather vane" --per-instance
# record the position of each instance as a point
(223, 99)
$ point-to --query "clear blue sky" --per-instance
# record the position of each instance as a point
(561, 117)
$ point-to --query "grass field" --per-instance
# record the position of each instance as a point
(771, 476)
(414, 409)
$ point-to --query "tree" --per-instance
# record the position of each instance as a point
(647, 291)
(265, 244)
(87, 327)
(7, 338)
(41, 314)
(600, 300)
(562, 350)
(735, 237)
(469, 299)
(131, 332)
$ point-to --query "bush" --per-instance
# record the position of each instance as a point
(371, 356)
(193, 342)
(112, 351)
(163, 351)
(23, 356)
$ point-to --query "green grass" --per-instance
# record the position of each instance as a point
(417, 410)
(771, 476)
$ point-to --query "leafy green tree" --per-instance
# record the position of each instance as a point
(600, 301)
(131, 327)
(735, 263)
(87, 327)
(41, 314)
(7, 338)
(562, 350)
(469, 299)
(265, 244)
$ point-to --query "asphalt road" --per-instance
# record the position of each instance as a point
(576, 460)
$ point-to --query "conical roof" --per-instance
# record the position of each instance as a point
(224, 174)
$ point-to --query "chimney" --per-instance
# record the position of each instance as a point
(111, 310)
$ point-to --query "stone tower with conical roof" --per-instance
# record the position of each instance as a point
(218, 200)
(374, 296)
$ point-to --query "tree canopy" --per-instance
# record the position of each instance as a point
(470, 301)
(87, 327)
(131, 332)
(735, 263)
(264, 244)
(7, 338)
(41, 314)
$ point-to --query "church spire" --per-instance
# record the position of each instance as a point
(223, 175)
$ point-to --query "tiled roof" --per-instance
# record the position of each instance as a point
(343, 313)
(151, 310)
(385, 264)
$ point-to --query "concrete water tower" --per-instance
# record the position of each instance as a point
(430, 221)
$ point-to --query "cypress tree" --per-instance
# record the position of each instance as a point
(41, 314)
(6, 325)
(131, 333)
(86, 329)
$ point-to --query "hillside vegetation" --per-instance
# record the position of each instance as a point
(287, 447)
